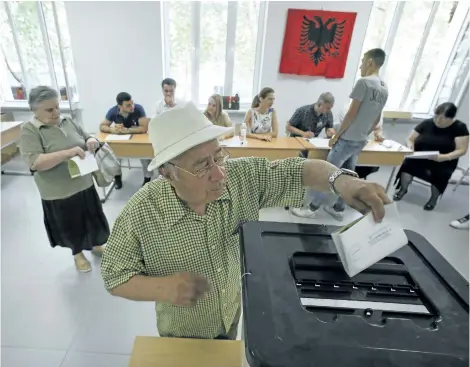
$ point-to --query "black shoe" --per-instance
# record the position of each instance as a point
(430, 205)
(118, 182)
(146, 180)
(399, 195)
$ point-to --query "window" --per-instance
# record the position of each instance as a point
(35, 50)
(210, 47)
(418, 38)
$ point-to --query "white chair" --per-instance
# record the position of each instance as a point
(462, 179)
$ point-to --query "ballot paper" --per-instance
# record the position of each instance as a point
(233, 142)
(319, 143)
(364, 242)
(115, 137)
(81, 167)
(423, 155)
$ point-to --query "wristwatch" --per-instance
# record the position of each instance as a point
(333, 177)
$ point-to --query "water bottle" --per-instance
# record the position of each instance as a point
(243, 134)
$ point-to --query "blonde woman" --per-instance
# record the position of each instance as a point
(261, 118)
(216, 115)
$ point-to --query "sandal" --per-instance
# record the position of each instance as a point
(430, 205)
(399, 195)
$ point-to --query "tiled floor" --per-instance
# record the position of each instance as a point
(53, 316)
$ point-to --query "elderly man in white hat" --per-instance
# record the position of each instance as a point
(176, 241)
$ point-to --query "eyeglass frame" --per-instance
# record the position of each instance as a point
(205, 171)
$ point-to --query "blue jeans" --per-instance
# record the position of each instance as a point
(344, 155)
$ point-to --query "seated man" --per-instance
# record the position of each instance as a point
(309, 121)
(169, 100)
(128, 118)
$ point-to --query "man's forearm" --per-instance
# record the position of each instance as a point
(105, 129)
(136, 130)
(142, 288)
(294, 130)
(316, 173)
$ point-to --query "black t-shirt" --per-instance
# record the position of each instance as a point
(433, 138)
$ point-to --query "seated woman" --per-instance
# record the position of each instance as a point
(216, 115)
(443, 134)
(261, 118)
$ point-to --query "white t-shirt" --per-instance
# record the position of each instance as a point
(162, 106)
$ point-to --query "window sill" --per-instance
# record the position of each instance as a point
(23, 106)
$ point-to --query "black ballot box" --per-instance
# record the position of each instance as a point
(301, 309)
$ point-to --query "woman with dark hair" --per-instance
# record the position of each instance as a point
(444, 134)
(215, 113)
(261, 118)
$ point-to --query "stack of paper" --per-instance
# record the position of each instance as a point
(81, 167)
(233, 142)
(423, 155)
(319, 143)
(364, 242)
(115, 137)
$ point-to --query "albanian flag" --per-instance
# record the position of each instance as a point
(316, 42)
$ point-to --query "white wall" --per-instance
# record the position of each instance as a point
(116, 48)
(463, 111)
(293, 91)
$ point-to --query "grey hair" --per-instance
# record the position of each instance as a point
(40, 94)
(326, 97)
(172, 171)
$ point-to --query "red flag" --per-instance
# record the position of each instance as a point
(316, 42)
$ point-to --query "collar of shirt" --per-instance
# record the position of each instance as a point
(39, 124)
(179, 209)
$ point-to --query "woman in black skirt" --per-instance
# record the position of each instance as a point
(73, 215)
(444, 134)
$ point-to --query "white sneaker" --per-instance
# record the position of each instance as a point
(339, 216)
(304, 212)
(461, 223)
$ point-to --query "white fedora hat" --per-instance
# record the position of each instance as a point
(179, 129)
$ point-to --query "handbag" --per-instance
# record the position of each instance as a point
(108, 164)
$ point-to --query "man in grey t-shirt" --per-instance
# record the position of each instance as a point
(368, 99)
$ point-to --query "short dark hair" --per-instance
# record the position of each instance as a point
(378, 55)
(168, 81)
(448, 109)
(123, 97)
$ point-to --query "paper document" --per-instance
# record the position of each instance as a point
(81, 167)
(115, 137)
(319, 142)
(364, 242)
(423, 155)
(233, 142)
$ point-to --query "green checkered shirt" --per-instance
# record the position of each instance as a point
(157, 235)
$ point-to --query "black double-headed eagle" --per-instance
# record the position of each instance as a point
(320, 39)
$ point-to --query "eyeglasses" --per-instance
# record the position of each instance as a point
(203, 172)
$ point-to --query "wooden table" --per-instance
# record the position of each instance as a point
(10, 135)
(278, 148)
(138, 146)
(373, 154)
(174, 352)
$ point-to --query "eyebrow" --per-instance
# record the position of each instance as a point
(202, 160)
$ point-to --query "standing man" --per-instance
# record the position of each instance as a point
(128, 118)
(169, 100)
(309, 121)
(368, 100)
(176, 242)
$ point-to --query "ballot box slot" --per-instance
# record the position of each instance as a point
(385, 288)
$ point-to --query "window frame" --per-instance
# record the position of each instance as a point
(22, 104)
(456, 29)
(229, 47)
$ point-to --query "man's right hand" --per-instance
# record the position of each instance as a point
(307, 135)
(185, 289)
(117, 129)
(76, 151)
